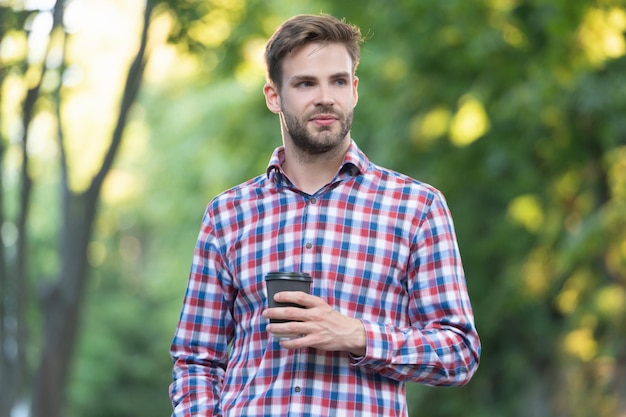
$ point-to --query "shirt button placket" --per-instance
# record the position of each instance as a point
(311, 202)
(296, 401)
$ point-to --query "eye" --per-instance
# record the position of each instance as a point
(341, 81)
(304, 84)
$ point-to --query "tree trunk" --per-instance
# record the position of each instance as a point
(62, 302)
(15, 278)
(15, 294)
(5, 398)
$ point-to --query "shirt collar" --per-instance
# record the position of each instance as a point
(355, 162)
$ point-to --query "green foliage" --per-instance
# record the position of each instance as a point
(538, 193)
(121, 363)
(552, 116)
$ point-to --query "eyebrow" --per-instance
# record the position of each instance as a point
(299, 78)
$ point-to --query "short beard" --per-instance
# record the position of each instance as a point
(324, 140)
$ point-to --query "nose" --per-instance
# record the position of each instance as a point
(325, 97)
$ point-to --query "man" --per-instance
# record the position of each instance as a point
(388, 301)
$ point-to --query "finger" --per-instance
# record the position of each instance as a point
(285, 330)
(297, 297)
(295, 343)
(286, 313)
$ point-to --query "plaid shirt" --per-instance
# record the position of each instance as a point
(380, 247)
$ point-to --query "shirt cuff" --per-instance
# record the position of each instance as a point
(377, 344)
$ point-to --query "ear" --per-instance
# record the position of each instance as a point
(355, 91)
(272, 98)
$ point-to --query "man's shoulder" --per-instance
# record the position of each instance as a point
(249, 189)
(391, 179)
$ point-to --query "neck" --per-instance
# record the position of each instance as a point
(311, 172)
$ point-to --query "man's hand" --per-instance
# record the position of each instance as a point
(321, 326)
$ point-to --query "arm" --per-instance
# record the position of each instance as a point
(441, 347)
(200, 345)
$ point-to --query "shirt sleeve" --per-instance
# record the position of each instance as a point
(200, 345)
(441, 346)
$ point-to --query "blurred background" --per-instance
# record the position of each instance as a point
(121, 119)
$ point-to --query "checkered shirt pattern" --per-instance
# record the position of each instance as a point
(380, 247)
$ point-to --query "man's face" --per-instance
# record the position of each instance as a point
(317, 98)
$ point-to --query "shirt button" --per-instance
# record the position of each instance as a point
(297, 389)
(312, 200)
(309, 245)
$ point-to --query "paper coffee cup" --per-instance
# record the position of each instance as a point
(276, 282)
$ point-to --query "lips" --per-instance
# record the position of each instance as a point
(324, 119)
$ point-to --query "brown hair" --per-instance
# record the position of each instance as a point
(301, 30)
